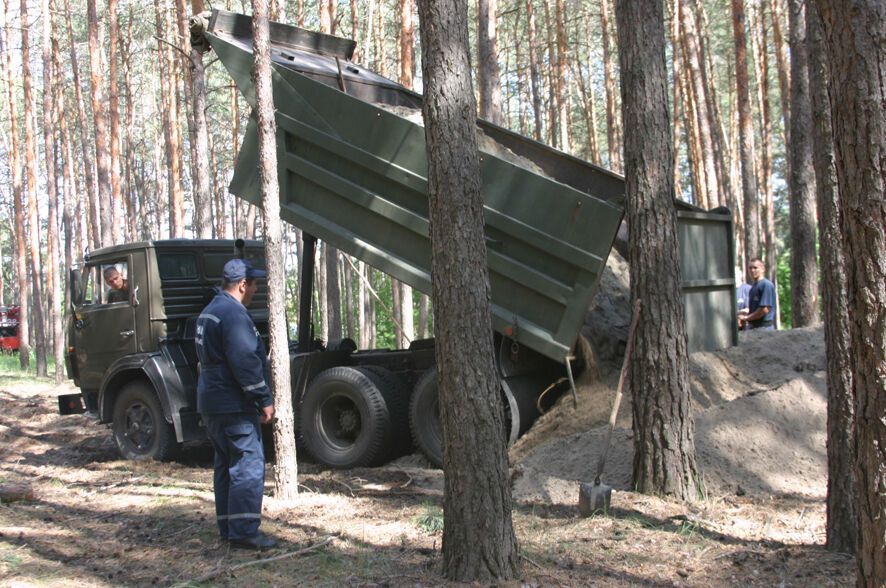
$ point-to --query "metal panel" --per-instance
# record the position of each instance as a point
(354, 174)
(706, 264)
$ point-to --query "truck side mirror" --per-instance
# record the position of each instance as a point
(76, 285)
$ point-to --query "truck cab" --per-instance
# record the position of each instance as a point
(130, 337)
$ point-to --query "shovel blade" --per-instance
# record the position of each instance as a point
(594, 499)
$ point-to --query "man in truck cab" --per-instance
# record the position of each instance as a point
(234, 399)
(119, 285)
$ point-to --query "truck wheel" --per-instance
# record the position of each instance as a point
(346, 419)
(424, 418)
(140, 431)
(396, 395)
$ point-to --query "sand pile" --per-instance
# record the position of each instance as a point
(760, 412)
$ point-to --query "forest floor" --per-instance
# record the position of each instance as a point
(95, 520)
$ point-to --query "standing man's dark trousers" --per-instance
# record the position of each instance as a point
(239, 473)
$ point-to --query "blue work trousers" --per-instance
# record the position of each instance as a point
(239, 479)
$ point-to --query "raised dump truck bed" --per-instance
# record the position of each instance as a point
(354, 173)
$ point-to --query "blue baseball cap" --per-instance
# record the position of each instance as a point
(241, 269)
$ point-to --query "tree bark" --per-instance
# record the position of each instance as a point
(87, 155)
(100, 120)
(200, 137)
(32, 225)
(764, 184)
(746, 134)
(562, 66)
(855, 34)
(842, 526)
(804, 267)
(488, 74)
(478, 538)
(610, 84)
(285, 466)
(21, 255)
(115, 211)
(534, 76)
(50, 146)
(664, 448)
(699, 91)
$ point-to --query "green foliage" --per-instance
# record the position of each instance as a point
(431, 520)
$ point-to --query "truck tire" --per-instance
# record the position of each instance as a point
(396, 394)
(347, 419)
(424, 418)
(140, 431)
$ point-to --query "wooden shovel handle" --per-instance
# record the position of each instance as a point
(618, 392)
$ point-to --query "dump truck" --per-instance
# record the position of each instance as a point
(352, 168)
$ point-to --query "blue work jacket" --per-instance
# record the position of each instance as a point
(233, 362)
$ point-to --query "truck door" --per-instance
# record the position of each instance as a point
(104, 324)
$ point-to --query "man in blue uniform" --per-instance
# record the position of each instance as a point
(233, 398)
(761, 303)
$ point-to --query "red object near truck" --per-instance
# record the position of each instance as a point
(9, 333)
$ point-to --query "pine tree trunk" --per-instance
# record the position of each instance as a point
(784, 80)
(116, 199)
(534, 77)
(424, 303)
(761, 58)
(746, 134)
(855, 33)
(86, 153)
(32, 224)
(478, 538)
(170, 124)
(406, 313)
(99, 116)
(285, 467)
(50, 142)
(488, 74)
(842, 525)
(130, 197)
(562, 66)
(664, 448)
(610, 84)
(699, 91)
(804, 267)
(333, 293)
(677, 100)
(15, 172)
(200, 138)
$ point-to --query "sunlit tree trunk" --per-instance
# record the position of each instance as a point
(285, 466)
(746, 134)
(32, 225)
(664, 447)
(116, 199)
(88, 156)
(15, 172)
(855, 34)
(610, 84)
(488, 74)
(842, 523)
(200, 138)
(534, 76)
(804, 267)
(479, 543)
(50, 146)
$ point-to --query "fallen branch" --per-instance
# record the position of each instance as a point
(219, 572)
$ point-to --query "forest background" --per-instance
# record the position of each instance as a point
(98, 139)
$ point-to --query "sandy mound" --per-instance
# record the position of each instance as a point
(760, 413)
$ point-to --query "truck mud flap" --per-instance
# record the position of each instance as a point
(71, 404)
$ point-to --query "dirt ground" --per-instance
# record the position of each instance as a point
(95, 520)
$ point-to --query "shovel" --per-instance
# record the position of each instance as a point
(596, 497)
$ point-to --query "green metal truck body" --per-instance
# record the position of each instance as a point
(352, 166)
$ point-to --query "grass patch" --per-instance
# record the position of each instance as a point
(431, 520)
(10, 560)
(12, 372)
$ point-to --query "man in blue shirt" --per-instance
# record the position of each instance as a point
(761, 304)
(742, 297)
(234, 399)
